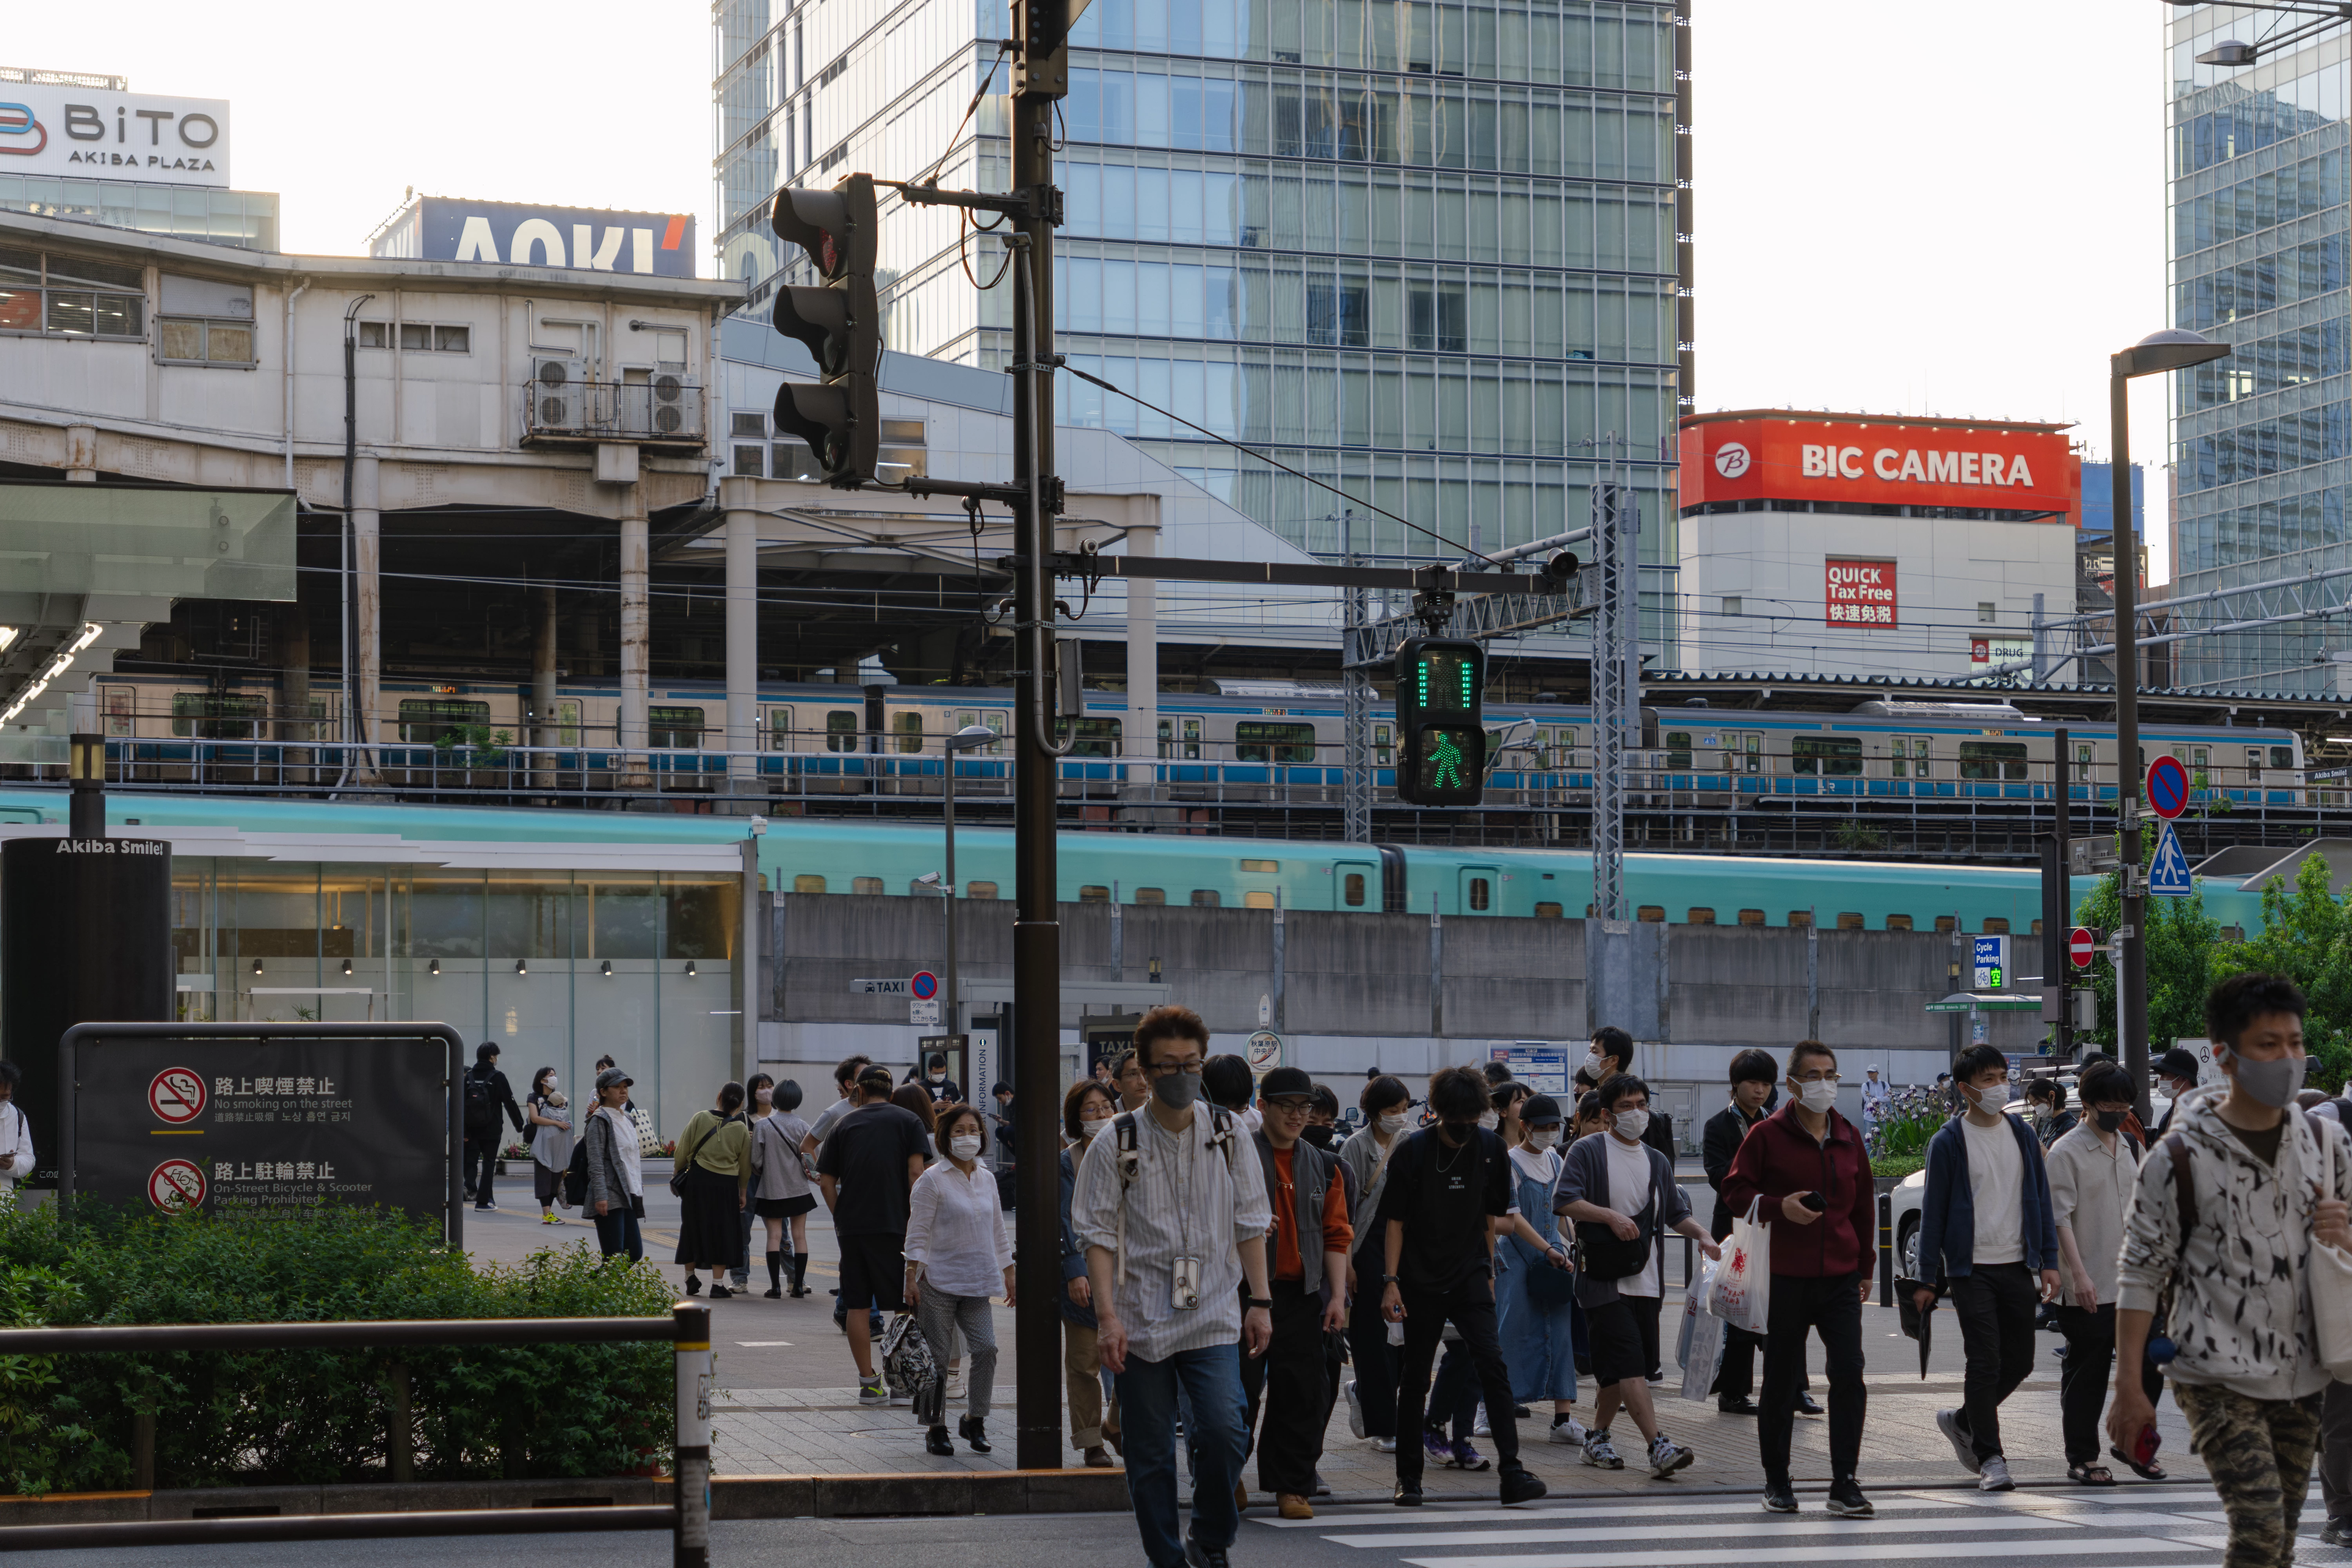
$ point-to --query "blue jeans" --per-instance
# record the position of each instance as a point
(1211, 1379)
(617, 1232)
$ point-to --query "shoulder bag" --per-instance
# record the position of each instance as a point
(686, 1166)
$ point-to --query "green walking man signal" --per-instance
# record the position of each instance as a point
(1441, 685)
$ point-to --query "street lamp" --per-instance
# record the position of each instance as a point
(963, 740)
(2152, 355)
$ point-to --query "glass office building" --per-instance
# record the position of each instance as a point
(1425, 252)
(246, 219)
(2261, 440)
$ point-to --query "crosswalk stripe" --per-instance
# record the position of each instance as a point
(1645, 1509)
(1778, 1525)
(2125, 1547)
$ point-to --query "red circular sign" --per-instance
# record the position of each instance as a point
(925, 985)
(177, 1095)
(2080, 948)
(2168, 787)
(175, 1186)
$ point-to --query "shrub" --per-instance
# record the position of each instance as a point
(278, 1417)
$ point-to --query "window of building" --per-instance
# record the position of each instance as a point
(80, 300)
(223, 716)
(1096, 738)
(1352, 889)
(841, 731)
(1751, 917)
(427, 720)
(753, 427)
(1151, 895)
(750, 462)
(1261, 741)
(1698, 917)
(1731, 605)
(1850, 920)
(1899, 922)
(1992, 759)
(808, 882)
(1985, 610)
(1826, 756)
(1257, 899)
(679, 729)
(1262, 865)
(906, 732)
(866, 884)
(980, 890)
(1996, 926)
(1094, 893)
(903, 455)
(1547, 911)
(1206, 898)
(417, 337)
(181, 339)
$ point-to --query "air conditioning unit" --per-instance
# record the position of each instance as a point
(559, 392)
(669, 404)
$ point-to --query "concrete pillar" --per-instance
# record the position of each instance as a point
(1142, 662)
(367, 601)
(742, 626)
(543, 732)
(81, 454)
(637, 625)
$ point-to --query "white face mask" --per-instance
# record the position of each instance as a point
(1987, 1098)
(758, 1097)
(1091, 1128)
(1817, 1096)
(1631, 1124)
(1596, 1066)
(1393, 1122)
(1491, 1121)
(966, 1147)
(1542, 1137)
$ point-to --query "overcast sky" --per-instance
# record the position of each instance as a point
(1901, 208)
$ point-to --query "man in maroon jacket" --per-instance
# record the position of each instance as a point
(1808, 1164)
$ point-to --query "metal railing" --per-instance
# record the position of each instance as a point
(687, 1517)
(667, 408)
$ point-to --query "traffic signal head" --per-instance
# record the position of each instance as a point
(841, 422)
(838, 321)
(1439, 699)
(836, 227)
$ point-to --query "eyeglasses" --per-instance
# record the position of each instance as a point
(1815, 1076)
(1162, 1068)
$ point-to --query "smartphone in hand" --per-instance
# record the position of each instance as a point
(1815, 1202)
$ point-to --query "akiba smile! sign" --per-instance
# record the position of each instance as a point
(2019, 471)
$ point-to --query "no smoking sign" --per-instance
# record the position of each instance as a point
(175, 1185)
(176, 1095)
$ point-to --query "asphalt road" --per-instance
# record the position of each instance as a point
(2139, 1526)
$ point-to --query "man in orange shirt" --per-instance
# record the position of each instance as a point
(1310, 1264)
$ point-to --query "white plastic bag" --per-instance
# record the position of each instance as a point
(1703, 1360)
(2331, 1283)
(1741, 1291)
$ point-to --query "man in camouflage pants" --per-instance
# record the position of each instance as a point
(2227, 1210)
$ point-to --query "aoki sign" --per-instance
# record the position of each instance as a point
(78, 132)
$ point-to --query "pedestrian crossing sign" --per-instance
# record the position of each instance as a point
(2168, 875)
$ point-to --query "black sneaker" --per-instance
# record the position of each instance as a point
(1846, 1500)
(1779, 1499)
(1407, 1494)
(1203, 1557)
(2337, 1532)
(693, 1286)
(1521, 1485)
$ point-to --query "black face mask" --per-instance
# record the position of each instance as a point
(1318, 1135)
(2111, 1120)
(1458, 1132)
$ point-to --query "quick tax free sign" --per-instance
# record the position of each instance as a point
(1859, 594)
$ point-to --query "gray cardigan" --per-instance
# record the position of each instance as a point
(1584, 1177)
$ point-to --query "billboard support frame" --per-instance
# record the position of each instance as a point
(452, 1093)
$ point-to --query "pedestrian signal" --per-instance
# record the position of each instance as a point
(1441, 685)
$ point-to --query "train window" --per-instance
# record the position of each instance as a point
(1094, 893)
(1910, 752)
(1800, 919)
(2037, 928)
(2083, 755)
(1096, 737)
(1755, 753)
(1383, 745)
(1698, 917)
(980, 890)
(841, 731)
(1678, 749)
(1945, 923)
(1256, 741)
(1261, 865)
(987, 718)
(808, 882)
(2282, 757)
(679, 729)
(907, 730)
(1751, 917)
(1151, 895)
(1206, 898)
(779, 727)
(2254, 764)
(1995, 926)
(567, 721)
(1257, 899)
(213, 716)
(1655, 914)
(1826, 756)
(1899, 922)
(1547, 911)
(425, 720)
(1481, 893)
(1850, 920)
(866, 884)
(117, 702)
(1992, 759)
(1188, 747)
(1351, 891)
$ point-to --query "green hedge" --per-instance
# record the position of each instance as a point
(267, 1417)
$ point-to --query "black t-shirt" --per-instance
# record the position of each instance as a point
(1445, 1198)
(867, 1152)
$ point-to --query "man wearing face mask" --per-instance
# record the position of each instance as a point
(1807, 1165)
(2263, 1185)
(1753, 1076)
(1985, 1226)
(1174, 1212)
(1612, 1052)
(943, 1090)
(2178, 1073)
(1308, 1242)
(2093, 1170)
(1387, 1106)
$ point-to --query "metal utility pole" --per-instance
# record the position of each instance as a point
(1615, 683)
(1356, 677)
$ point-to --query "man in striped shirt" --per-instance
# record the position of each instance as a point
(1173, 1212)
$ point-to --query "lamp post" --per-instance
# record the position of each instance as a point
(963, 740)
(2152, 355)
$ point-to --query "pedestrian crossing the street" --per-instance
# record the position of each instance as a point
(2159, 1526)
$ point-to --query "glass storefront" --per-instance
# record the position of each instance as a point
(557, 967)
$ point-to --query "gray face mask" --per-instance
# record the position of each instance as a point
(1177, 1089)
(2273, 1083)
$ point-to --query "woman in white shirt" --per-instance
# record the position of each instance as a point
(957, 1253)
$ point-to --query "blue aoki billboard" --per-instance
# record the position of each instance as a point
(591, 239)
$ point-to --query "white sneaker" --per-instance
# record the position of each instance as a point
(1355, 1409)
(1667, 1456)
(1994, 1478)
(1948, 1422)
(1385, 1445)
(1600, 1452)
(1479, 1429)
(1569, 1431)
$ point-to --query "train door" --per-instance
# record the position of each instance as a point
(1481, 890)
(1180, 739)
(1355, 885)
(775, 729)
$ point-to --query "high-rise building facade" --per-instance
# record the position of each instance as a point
(1428, 253)
(2263, 439)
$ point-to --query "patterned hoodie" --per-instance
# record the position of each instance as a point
(2241, 1313)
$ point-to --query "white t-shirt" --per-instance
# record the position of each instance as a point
(1996, 1191)
(1629, 1194)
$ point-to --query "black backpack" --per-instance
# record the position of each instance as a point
(481, 1114)
(576, 1178)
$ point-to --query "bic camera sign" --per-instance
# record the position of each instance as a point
(72, 131)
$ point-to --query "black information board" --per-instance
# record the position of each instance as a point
(264, 1118)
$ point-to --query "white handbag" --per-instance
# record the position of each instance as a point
(2331, 1281)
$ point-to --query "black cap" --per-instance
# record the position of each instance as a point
(612, 1077)
(1284, 1082)
(2177, 1063)
(1538, 1110)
